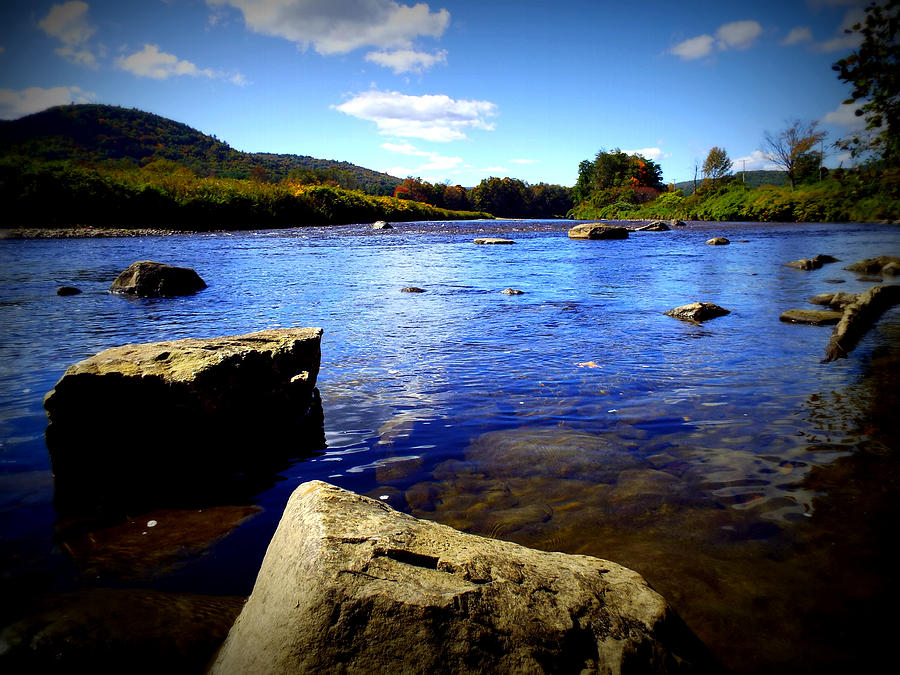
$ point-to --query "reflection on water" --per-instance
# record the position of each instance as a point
(750, 483)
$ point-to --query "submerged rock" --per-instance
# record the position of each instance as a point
(813, 317)
(348, 584)
(598, 231)
(512, 291)
(718, 241)
(858, 318)
(149, 418)
(654, 226)
(148, 279)
(677, 223)
(68, 290)
(697, 311)
(874, 265)
(412, 289)
(493, 240)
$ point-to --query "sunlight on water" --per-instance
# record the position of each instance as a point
(575, 417)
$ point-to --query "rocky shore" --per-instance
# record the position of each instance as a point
(86, 232)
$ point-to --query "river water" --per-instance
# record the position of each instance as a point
(753, 486)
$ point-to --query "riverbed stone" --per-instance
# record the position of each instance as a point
(598, 231)
(148, 279)
(512, 291)
(653, 226)
(142, 419)
(349, 584)
(836, 301)
(813, 317)
(412, 289)
(68, 290)
(493, 241)
(858, 318)
(873, 265)
(718, 241)
(382, 225)
(697, 311)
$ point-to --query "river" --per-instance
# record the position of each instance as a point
(752, 485)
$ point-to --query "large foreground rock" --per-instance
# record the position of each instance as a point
(598, 231)
(350, 585)
(142, 419)
(875, 265)
(148, 279)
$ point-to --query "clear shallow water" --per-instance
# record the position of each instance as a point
(574, 417)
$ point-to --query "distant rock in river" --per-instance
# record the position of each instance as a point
(697, 311)
(598, 231)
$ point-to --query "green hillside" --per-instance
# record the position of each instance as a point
(752, 179)
(103, 134)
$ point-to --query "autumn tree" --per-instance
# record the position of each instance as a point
(790, 148)
(717, 165)
(615, 170)
(874, 73)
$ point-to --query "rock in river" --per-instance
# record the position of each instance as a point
(68, 290)
(874, 265)
(813, 317)
(698, 311)
(598, 231)
(858, 318)
(148, 279)
(654, 226)
(350, 585)
(512, 291)
(142, 420)
(811, 263)
(382, 225)
(718, 241)
(493, 240)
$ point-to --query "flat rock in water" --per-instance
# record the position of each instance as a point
(718, 241)
(654, 226)
(148, 279)
(697, 311)
(350, 585)
(412, 289)
(143, 418)
(598, 231)
(873, 265)
(813, 317)
(493, 240)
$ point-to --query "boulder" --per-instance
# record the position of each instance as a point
(873, 265)
(512, 291)
(148, 279)
(68, 290)
(350, 585)
(811, 263)
(718, 241)
(382, 225)
(677, 223)
(150, 422)
(412, 289)
(858, 317)
(892, 269)
(598, 231)
(813, 317)
(837, 300)
(654, 226)
(494, 240)
(697, 311)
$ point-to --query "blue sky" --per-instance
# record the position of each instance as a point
(455, 90)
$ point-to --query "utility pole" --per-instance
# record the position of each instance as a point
(743, 170)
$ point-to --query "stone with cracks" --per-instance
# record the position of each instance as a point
(350, 585)
(148, 279)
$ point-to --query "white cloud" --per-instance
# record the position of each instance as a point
(734, 35)
(436, 161)
(797, 35)
(14, 104)
(405, 149)
(494, 169)
(694, 48)
(69, 24)
(524, 161)
(340, 26)
(738, 34)
(408, 60)
(430, 117)
(152, 63)
(655, 154)
(755, 161)
(843, 41)
(845, 115)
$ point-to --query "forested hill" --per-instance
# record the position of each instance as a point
(93, 134)
(753, 179)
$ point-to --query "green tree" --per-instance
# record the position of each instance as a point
(788, 147)
(874, 73)
(717, 165)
